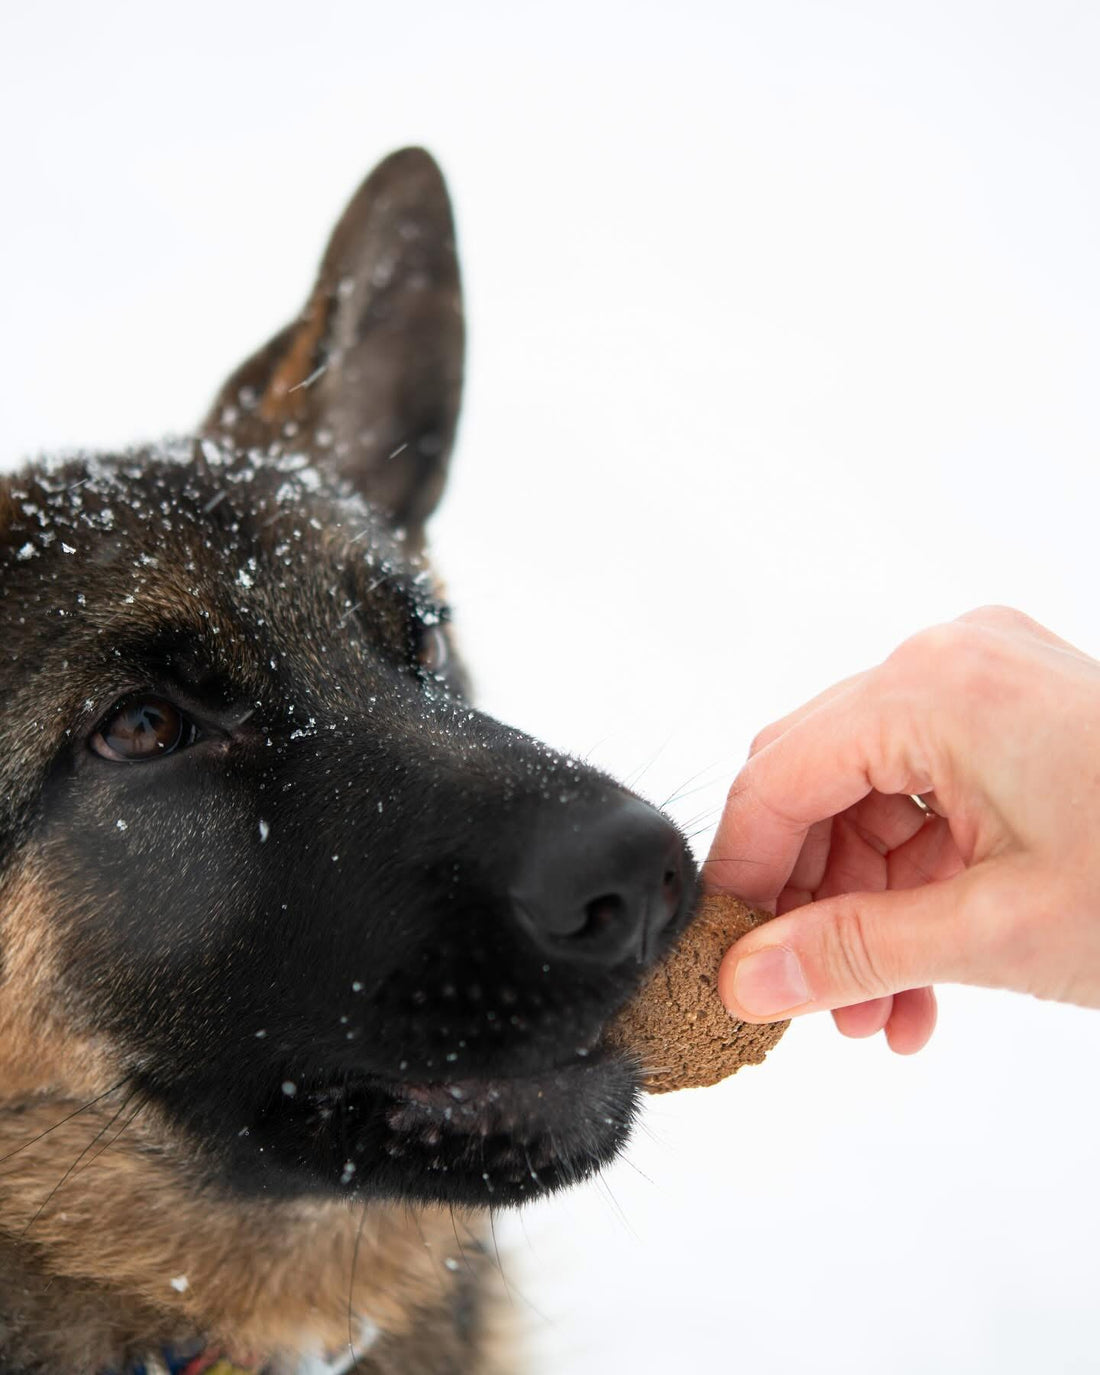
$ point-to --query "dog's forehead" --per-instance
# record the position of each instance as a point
(199, 509)
(239, 550)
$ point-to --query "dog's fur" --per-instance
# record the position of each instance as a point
(283, 1011)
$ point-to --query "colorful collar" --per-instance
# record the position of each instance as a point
(211, 1361)
(176, 1363)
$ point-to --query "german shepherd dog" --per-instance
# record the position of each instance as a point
(304, 961)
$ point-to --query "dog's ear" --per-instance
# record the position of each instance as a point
(368, 379)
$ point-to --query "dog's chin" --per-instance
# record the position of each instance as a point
(476, 1142)
(506, 1141)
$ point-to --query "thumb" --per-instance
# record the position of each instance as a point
(857, 946)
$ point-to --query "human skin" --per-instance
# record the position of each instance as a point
(995, 722)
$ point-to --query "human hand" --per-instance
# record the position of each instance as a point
(996, 723)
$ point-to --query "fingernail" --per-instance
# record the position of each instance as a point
(770, 981)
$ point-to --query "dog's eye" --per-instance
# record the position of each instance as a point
(432, 650)
(143, 728)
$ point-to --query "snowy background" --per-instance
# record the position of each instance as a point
(784, 342)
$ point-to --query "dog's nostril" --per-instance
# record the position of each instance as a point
(601, 913)
(604, 887)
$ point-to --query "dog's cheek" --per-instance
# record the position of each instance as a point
(44, 1044)
(151, 859)
(153, 900)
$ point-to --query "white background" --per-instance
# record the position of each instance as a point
(784, 342)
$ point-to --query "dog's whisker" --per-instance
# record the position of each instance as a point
(437, 1273)
(532, 1172)
(616, 1207)
(587, 755)
(708, 815)
(114, 1139)
(634, 779)
(699, 825)
(679, 792)
(458, 1241)
(645, 1127)
(351, 1283)
(683, 793)
(733, 859)
(689, 792)
(67, 1118)
(95, 1139)
(496, 1253)
(649, 1070)
(639, 1171)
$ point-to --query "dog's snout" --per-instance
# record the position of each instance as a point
(600, 886)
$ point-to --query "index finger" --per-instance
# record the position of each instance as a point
(852, 743)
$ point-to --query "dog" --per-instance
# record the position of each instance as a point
(304, 961)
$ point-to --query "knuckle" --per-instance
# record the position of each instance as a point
(1009, 933)
(953, 656)
(934, 647)
(737, 791)
(761, 740)
(997, 617)
(850, 957)
(742, 799)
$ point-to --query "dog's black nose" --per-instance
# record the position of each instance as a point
(600, 885)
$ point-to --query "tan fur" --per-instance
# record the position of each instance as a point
(284, 398)
(39, 1052)
(131, 1214)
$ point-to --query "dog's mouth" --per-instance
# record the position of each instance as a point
(490, 1141)
(518, 1136)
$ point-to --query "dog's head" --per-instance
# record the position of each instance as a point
(261, 860)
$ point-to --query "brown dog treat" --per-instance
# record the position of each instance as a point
(675, 1025)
